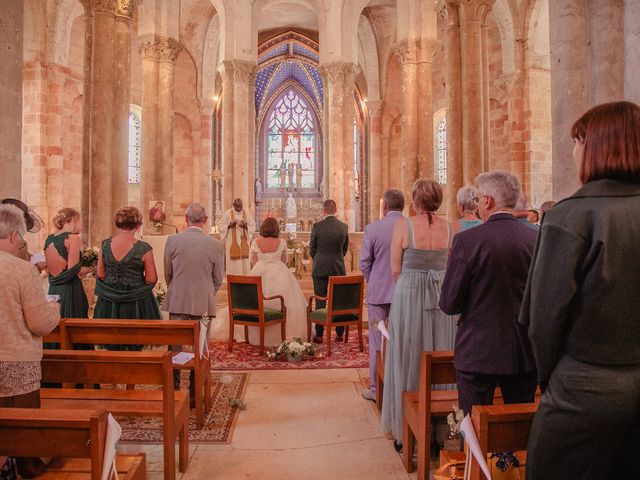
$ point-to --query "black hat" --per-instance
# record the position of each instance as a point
(31, 218)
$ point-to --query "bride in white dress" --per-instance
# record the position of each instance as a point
(268, 255)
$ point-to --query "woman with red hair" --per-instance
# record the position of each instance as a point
(581, 307)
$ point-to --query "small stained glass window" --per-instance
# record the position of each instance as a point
(135, 127)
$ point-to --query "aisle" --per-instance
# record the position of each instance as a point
(298, 424)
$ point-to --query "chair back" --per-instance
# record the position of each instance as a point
(345, 295)
(245, 295)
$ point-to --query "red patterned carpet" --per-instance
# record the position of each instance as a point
(246, 357)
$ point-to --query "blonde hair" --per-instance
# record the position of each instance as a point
(11, 220)
(128, 218)
(65, 216)
(426, 195)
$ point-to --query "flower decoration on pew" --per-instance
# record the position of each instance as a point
(454, 420)
(505, 460)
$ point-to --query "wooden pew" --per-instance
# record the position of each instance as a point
(380, 376)
(147, 368)
(501, 428)
(53, 336)
(154, 332)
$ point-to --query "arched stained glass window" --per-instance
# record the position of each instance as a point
(291, 144)
(134, 147)
(442, 152)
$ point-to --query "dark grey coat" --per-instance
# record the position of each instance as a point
(582, 297)
(328, 245)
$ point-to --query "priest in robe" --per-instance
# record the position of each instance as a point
(236, 227)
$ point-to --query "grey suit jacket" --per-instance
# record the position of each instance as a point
(193, 270)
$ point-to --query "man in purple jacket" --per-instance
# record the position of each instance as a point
(375, 264)
(484, 282)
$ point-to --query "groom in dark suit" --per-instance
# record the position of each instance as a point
(328, 245)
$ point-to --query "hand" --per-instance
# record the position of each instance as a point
(232, 225)
(243, 225)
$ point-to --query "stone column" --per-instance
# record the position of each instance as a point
(159, 56)
(11, 27)
(632, 50)
(606, 50)
(53, 119)
(384, 160)
(201, 190)
(428, 48)
(486, 107)
(568, 32)
(472, 15)
(244, 131)
(106, 119)
(348, 105)
(375, 107)
(453, 80)
(227, 161)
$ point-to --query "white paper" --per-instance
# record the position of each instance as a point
(37, 258)
(114, 431)
(469, 435)
(52, 298)
(182, 358)
(204, 341)
(383, 330)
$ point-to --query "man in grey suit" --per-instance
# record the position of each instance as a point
(328, 245)
(375, 265)
(193, 270)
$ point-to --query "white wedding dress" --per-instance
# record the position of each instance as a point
(276, 280)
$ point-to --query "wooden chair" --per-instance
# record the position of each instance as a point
(155, 332)
(147, 368)
(344, 308)
(246, 307)
(30, 432)
(501, 428)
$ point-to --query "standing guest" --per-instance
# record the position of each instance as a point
(62, 254)
(126, 275)
(581, 309)
(533, 217)
(484, 283)
(193, 271)
(236, 227)
(467, 205)
(419, 250)
(375, 264)
(545, 207)
(25, 317)
(328, 246)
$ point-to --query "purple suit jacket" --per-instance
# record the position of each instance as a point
(375, 259)
(485, 280)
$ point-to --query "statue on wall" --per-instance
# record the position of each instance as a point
(291, 172)
(283, 175)
(258, 190)
(292, 209)
(299, 175)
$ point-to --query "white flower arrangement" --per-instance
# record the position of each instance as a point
(292, 349)
(454, 420)
(160, 291)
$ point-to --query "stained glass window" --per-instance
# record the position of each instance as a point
(134, 148)
(291, 144)
(442, 152)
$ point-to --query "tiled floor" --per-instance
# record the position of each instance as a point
(298, 424)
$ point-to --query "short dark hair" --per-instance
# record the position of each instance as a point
(426, 194)
(611, 136)
(270, 228)
(128, 218)
(330, 207)
(394, 200)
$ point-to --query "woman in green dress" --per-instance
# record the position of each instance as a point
(62, 254)
(126, 275)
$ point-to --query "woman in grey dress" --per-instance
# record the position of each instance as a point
(419, 252)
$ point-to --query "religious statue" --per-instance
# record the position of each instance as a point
(258, 193)
(299, 175)
(321, 188)
(291, 172)
(283, 174)
(292, 210)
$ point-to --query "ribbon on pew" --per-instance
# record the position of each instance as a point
(114, 432)
(471, 439)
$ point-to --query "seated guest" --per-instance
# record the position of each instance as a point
(545, 207)
(467, 204)
(375, 265)
(485, 280)
(25, 317)
(126, 275)
(581, 309)
(62, 254)
(419, 249)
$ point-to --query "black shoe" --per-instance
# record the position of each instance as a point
(397, 445)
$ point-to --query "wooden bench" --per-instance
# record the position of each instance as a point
(53, 336)
(147, 368)
(501, 428)
(380, 375)
(154, 332)
(28, 432)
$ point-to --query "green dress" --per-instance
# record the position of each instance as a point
(123, 293)
(67, 284)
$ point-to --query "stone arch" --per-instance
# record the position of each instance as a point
(210, 59)
(368, 58)
(503, 16)
(58, 37)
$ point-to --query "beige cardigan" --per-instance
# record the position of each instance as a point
(25, 314)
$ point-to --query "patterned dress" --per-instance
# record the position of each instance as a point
(416, 324)
(123, 294)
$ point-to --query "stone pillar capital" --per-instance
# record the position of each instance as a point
(475, 10)
(417, 50)
(449, 11)
(121, 8)
(161, 49)
(340, 73)
(243, 71)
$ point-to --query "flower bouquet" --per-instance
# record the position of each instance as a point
(89, 258)
(293, 350)
(160, 291)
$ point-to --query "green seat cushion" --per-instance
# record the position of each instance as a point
(269, 314)
(320, 314)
